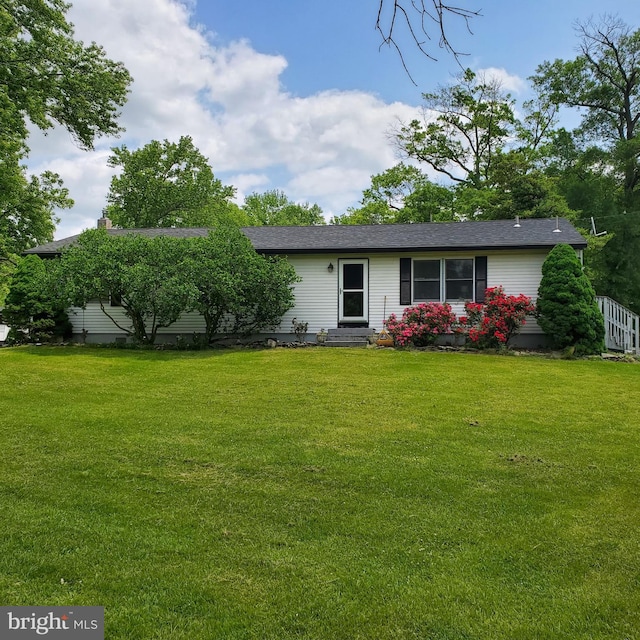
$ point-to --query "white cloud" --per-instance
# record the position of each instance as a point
(345, 192)
(245, 81)
(320, 148)
(508, 81)
(247, 183)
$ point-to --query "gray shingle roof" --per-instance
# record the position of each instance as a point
(437, 236)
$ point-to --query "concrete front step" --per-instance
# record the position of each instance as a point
(348, 337)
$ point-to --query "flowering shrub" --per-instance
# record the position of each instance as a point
(421, 325)
(493, 323)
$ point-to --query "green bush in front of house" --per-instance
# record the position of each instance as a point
(567, 310)
(31, 310)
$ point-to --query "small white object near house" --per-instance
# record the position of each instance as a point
(4, 330)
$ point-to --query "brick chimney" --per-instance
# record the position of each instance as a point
(104, 223)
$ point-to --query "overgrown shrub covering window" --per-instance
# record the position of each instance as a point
(567, 309)
(493, 323)
(157, 279)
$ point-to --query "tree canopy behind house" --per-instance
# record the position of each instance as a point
(168, 184)
(603, 170)
(402, 193)
(274, 208)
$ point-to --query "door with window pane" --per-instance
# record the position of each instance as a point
(354, 291)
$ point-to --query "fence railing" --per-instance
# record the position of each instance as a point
(622, 326)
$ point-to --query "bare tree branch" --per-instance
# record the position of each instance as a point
(419, 17)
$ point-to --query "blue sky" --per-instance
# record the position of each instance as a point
(338, 47)
(289, 94)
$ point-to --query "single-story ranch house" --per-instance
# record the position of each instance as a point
(352, 277)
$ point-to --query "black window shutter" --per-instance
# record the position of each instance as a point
(481, 277)
(405, 280)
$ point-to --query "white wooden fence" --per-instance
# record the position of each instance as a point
(622, 327)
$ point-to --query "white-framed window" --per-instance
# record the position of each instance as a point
(443, 279)
(458, 279)
(427, 286)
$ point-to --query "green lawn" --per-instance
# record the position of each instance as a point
(323, 493)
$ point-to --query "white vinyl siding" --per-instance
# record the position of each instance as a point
(93, 320)
(517, 273)
(316, 294)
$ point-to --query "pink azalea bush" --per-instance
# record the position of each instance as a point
(421, 325)
(493, 323)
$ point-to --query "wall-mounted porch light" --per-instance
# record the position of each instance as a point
(330, 267)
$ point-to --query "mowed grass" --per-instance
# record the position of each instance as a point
(322, 493)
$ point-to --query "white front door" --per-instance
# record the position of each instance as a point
(353, 303)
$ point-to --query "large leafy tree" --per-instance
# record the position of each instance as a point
(47, 78)
(604, 83)
(463, 128)
(273, 208)
(239, 292)
(167, 184)
(470, 136)
(157, 279)
(603, 177)
(27, 206)
(517, 187)
(147, 277)
(583, 176)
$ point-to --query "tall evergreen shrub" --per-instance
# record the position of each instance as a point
(567, 309)
(31, 310)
